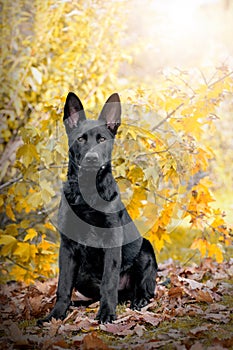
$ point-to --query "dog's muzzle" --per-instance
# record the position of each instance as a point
(91, 161)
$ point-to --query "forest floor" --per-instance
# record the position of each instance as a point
(192, 309)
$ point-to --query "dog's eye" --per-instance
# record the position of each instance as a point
(81, 139)
(102, 139)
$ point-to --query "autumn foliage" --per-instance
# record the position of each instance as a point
(162, 154)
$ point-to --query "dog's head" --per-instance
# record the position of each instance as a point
(91, 141)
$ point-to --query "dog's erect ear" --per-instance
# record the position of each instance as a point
(73, 111)
(111, 113)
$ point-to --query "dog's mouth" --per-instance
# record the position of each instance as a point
(94, 168)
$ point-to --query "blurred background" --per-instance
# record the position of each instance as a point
(173, 59)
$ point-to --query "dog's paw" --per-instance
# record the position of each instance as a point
(58, 313)
(137, 304)
(104, 316)
(42, 321)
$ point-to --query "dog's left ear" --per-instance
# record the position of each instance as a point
(111, 113)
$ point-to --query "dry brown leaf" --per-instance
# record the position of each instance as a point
(221, 317)
(36, 304)
(216, 308)
(16, 335)
(139, 330)
(54, 327)
(202, 295)
(119, 329)
(175, 292)
(93, 342)
(197, 346)
(60, 345)
(87, 324)
(192, 283)
(151, 318)
(200, 329)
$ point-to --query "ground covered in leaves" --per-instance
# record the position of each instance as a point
(192, 310)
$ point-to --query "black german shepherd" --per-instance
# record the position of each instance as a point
(102, 254)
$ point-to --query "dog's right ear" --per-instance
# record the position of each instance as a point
(73, 112)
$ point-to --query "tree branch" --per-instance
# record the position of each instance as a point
(11, 182)
(167, 117)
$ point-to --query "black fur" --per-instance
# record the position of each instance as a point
(102, 254)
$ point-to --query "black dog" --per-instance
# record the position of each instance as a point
(102, 254)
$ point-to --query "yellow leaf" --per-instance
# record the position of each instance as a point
(136, 203)
(23, 251)
(31, 233)
(214, 250)
(34, 200)
(135, 174)
(9, 212)
(24, 223)
(1, 201)
(28, 153)
(8, 243)
(11, 230)
(49, 226)
(201, 245)
(7, 239)
(20, 189)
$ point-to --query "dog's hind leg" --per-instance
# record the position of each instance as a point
(144, 275)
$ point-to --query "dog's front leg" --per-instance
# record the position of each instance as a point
(109, 285)
(67, 273)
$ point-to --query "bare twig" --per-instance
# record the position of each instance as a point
(156, 152)
(19, 178)
(167, 117)
(203, 77)
(220, 79)
(16, 263)
(11, 182)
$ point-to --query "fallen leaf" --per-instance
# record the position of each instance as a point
(139, 330)
(16, 335)
(60, 345)
(54, 327)
(87, 324)
(216, 307)
(35, 303)
(93, 342)
(119, 329)
(192, 284)
(200, 329)
(151, 318)
(224, 318)
(202, 295)
(197, 346)
(175, 292)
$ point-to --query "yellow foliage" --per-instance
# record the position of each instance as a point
(215, 251)
(9, 212)
(25, 251)
(161, 158)
(201, 245)
(27, 153)
(31, 233)
(136, 202)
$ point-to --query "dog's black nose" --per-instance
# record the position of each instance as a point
(92, 157)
